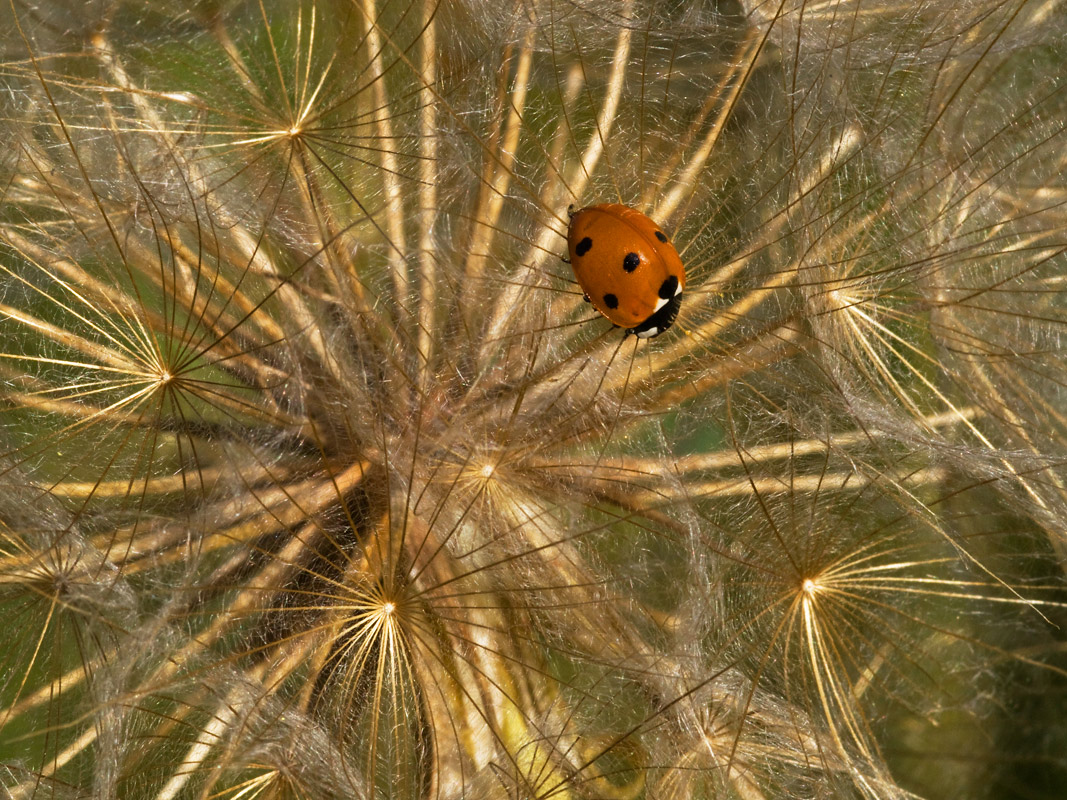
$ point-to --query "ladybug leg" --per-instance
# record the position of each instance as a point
(570, 210)
(585, 297)
(565, 260)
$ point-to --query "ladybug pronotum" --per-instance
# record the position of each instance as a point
(627, 267)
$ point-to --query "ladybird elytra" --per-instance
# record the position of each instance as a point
(626, 267)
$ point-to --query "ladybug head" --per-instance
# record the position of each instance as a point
(670, 294)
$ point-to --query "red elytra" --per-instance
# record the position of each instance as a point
(627, 267)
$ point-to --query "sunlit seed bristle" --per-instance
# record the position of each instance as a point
(840, 299)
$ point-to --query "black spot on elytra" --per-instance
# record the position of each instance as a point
(668, 288)
(631, 261)
(661, 236)
(583, 246)
(611, 301)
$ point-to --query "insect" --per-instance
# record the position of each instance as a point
(627, 267)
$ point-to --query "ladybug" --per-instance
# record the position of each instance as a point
(627, 267)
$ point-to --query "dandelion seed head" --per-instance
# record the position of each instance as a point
(296, 384)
